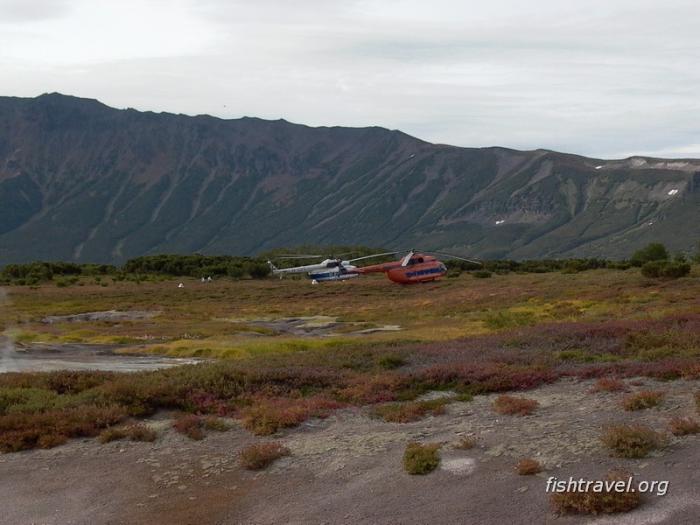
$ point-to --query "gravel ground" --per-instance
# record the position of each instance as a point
(347, 469)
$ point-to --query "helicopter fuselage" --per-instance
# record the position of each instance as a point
(418, 269)
(342, 272)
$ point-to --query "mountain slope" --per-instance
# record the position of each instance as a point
(82, 181)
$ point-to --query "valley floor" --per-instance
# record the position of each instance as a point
(279, 355)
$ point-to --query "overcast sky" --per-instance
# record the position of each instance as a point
(604, 78)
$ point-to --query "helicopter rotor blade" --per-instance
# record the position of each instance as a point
(373, 255)
(445, 254)
(407, 258)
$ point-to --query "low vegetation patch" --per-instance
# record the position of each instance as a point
(514, 406)
(390, 362)
(643, 400)
(261, 455)
(466, 443)
(683, 426)
(22, 431)
(609, 384)
(279, 382)
(190, 425)
(137, 432)
(607, 500)
(631, 441)
(266, 417)
(215, 423)
(409, 411)
(421, 459)
(464, 397)
(528, 467)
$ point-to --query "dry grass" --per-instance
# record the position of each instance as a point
(449, 309)
(46, 429)
(135, 432)
(269, 416)
(215, 423)
(190, 426)
(409, 411)
(51, 440)
(631, 441)
(643, 400)
(514, 406)
(607, 501)
(683, 426)
(466, 443)
(421, 459)
(528, 467)
(609, 384)
(262, 455)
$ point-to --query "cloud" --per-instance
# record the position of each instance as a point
(593, 77)
(23, 11)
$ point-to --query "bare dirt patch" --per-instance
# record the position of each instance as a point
(110, 315)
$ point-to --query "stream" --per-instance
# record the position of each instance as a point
(48, 357)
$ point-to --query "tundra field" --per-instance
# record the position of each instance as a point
(354, 402)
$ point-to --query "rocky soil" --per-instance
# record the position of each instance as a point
(347, 469)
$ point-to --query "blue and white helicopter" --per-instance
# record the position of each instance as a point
(330, 269)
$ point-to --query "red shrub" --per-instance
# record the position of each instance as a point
(207, 403)
(410, 411)
(592, 502)
(190, 425)
(528, 467)
(51, 428)
(609, 384)
(267, 416)
(363, 390)
(259, 456)
(510, 405)
(642, 400)
(486, 377)
(683, 426)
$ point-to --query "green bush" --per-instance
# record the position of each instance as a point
(390, 362)
(482, 274)
(665, 269)
(675, 270)
(652, 252)
(421, 459)
(696, 257)
(631, 441)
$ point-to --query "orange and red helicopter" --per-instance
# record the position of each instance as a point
(414, 267)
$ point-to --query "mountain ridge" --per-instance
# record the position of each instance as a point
(82, 181)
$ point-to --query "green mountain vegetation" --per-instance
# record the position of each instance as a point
(83, 182)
